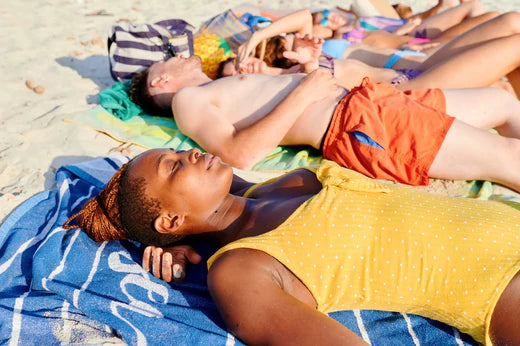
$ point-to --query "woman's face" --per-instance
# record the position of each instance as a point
(229, 68)
(330, 19)
(251, 65)
(186, 182)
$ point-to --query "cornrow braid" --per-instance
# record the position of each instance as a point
(100, 217)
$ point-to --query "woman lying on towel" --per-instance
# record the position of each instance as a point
(315, 241)
(301, 22)
(441, 27)
(458, 64)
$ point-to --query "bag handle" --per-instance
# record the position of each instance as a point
(111, 39)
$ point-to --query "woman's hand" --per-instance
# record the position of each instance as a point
(245, 50)
(419, 46)
(408, 27)
(170, 262)
(306, 50)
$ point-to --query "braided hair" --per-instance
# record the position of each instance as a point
(122, 210)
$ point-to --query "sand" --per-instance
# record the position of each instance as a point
(54, 63)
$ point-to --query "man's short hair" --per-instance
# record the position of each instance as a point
(140, 95)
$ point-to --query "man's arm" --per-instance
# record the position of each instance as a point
(204, 122)
(254, 303)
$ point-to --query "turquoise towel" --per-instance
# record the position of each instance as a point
(116, 101)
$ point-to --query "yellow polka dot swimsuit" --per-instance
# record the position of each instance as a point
(364, 244)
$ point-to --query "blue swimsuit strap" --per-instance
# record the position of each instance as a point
(399, 54)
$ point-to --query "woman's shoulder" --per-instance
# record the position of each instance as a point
(297, 181)
(239, 264)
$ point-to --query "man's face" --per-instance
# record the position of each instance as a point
(175, 69)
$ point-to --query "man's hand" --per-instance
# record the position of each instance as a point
(318, 85)
(170, 262)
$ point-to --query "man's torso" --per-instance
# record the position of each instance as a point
(245, 99)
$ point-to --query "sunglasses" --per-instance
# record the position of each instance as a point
(325, 20)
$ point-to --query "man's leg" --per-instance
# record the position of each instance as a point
(485, 108)
(471, 152)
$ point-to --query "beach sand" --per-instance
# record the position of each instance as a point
(54, 63)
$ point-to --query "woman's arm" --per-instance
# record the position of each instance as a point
(262, 303)
(298, 22)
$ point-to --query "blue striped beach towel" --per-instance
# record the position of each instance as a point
(59, 286)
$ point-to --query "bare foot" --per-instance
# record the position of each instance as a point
(408, 27)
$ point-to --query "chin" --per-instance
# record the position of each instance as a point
(195, 59)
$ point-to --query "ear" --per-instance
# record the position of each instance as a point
(168, 224)
(159, 81)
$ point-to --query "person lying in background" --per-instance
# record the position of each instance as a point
(437, 29)
(457, 64)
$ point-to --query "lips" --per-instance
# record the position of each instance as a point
(210, 160)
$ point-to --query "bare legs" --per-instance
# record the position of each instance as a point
(478, 66)
(464, 26)
(471, 152)
(514, 80)
(440, 22)
(504, 25)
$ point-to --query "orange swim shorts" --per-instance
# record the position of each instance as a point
(388, 134)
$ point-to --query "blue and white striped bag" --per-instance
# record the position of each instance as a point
(132, 47)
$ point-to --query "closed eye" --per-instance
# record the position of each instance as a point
(174, 166)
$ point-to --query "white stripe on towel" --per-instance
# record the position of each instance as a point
(17, 320)
(457, 337)
(61, 266)
(410, 329)
(361, 326)
(75, 296)
(66, 332)
(230, 341)
(79, 200)
(64, 188)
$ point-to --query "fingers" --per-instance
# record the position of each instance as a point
(290, 55)
(193, 256)
(147, 258)
(169, 263)
(166, 267)
(308, 38)
(156, 263)
(179, 265)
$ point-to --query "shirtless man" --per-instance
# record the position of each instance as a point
(391, 135)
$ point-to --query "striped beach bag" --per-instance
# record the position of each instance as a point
(132, 47)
